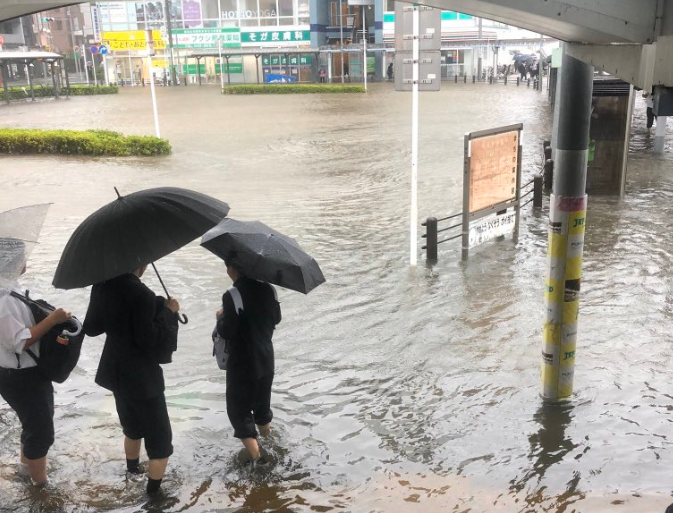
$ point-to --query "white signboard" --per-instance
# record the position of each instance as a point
(491, 227)
(95, 19)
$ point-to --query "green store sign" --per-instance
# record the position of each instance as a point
(276, 36)
(207, 38)
(234, 67)
(190, 69)
(280, 60)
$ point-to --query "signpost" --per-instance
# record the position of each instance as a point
(491, 183)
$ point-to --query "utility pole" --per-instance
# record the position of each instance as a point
(72, 39)
(341, 27)
(169, 35)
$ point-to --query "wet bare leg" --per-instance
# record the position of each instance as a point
(252, 446)
(132, 448)
(38, 470)
(264, 430)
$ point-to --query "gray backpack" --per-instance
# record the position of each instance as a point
(220, 345)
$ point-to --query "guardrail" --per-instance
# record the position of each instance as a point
(506, 79)
(431, 224)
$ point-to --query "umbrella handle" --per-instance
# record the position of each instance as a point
(184, 319)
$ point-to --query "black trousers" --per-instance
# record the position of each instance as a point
(148, 419)
(650, 117)
(249, 404)
(31, 396)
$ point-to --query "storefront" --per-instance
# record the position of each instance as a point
(202, 27)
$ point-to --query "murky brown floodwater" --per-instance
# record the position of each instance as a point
(397, 389)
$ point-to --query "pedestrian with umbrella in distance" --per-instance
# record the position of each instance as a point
(255, 256)
(25, 389)
(112, 249)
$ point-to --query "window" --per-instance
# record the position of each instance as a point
(267, 9)
(228, 10)
(285, 8)
(209, 9)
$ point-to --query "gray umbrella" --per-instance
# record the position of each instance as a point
(19, 231)
(261, 253)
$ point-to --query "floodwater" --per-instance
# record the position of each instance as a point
(397, 388)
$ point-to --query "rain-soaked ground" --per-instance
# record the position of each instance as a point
(397, 388)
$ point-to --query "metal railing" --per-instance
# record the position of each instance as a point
(431, 224)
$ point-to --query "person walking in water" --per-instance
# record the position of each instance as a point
(26, 391)
(248, 327)
(390, 71)
(322, 74)
(141, 333)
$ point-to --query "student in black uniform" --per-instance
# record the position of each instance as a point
(26, 391)
(251, 366)
(141, 333)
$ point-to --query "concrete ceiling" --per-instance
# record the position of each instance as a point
(580, 21)
(14, 8)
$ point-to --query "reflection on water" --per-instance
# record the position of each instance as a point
(397, 389)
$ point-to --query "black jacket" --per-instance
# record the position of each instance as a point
(251, 353)
(141, 333)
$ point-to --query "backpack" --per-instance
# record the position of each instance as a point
(220, 345)
(56, 360)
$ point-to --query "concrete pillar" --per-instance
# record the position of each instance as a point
(380, 57)
(660, 134)
(319, 18)
(566, 231)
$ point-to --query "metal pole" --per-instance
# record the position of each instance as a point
(53, 80)
(30, 82)
(133, 83)
(537, 191)
(86, 69)
(364, 47)
(257, 66)
(105, 71)
(151, 73)
(219, 47)
(341, 28)
(566, 232)
(413, 220)
(481, 50)
(169, 35)
(5, 78)
(431, 238)
(72, 39)
(228, 70)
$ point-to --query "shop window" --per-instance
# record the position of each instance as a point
(209, 9)
(268, 9)
(248, 8)
(286, 8)
(286, 21)
(210, 23)
(229, 9)
(250, 22)
(268, 22)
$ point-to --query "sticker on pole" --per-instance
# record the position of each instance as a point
(93, 49)
(491, 227)
(102, 49)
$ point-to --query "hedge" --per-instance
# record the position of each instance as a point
(292, 89)
(76, 142)
(23, 93)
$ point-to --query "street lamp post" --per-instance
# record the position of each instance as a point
(341, 28)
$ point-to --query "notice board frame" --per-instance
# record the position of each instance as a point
(497, 207)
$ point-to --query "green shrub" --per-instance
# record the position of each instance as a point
(292, 89)
(73, 142)
(40, 91)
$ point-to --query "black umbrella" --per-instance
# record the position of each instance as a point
(134, 231)
(264, 254)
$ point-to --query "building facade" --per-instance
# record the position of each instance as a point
(297, 40)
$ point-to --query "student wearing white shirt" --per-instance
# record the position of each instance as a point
(29, 394)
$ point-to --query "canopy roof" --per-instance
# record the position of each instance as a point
(28, 56)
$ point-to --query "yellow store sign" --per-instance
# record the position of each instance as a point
(131, 40)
